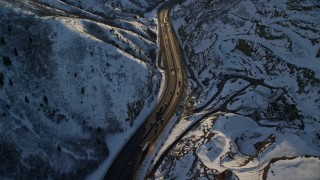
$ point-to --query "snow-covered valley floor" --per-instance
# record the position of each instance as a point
(253, 95)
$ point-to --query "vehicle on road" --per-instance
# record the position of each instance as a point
(159, 113)
(145, 147)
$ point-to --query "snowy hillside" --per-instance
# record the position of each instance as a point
(74, 76)
(254, 81)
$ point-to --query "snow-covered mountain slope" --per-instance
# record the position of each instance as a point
(259, 61)
(75, 77)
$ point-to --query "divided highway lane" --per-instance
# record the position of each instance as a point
(129, 160)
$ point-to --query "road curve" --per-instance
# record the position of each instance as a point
(130, 158)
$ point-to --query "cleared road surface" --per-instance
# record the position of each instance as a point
(130, 158)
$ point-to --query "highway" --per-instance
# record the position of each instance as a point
(128, 161)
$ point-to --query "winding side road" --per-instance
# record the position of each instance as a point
(129, 159)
